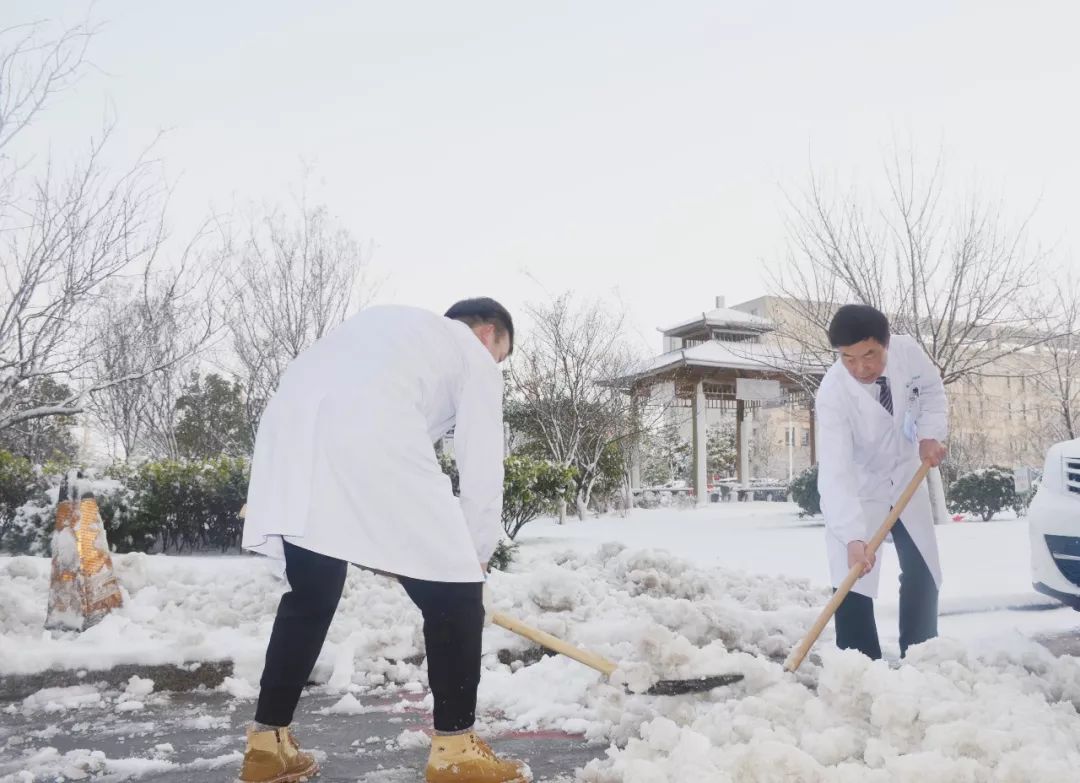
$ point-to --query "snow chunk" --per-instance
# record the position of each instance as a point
(411, 740)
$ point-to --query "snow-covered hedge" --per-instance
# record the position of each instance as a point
(984, 492)
(157, 506)
(804, 491)
(185, 506)
(22, 498)
(531, 488)
(176, 506)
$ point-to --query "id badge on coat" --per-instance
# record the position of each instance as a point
(911, 415)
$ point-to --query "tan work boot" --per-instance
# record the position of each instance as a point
(465, 758)
(275, 757)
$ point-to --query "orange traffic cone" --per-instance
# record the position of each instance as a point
(83, 588)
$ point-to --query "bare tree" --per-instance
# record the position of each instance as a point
(968, 451)
(563, 393)
(45, 439)
(299, 275)
(952, 278)
(79, 232)
(1056, 371)
(35, 66)
(121, 409)
(66, 236)
(152, 335)
(763, 449)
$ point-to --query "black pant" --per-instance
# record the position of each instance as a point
(856, 628)
(453, 625)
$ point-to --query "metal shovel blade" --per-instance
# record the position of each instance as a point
(698, 685)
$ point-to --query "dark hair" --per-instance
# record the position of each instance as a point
(855, 323)
(484, 310)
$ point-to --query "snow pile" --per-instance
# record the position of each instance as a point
(951, 715)
(52, 700)
(635, 606)
(49, 701)
(50, 764)
(408, 740)
(955, 711)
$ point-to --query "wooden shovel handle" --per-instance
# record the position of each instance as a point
(803, 648)
(592, 660)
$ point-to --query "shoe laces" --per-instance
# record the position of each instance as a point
(483, 748)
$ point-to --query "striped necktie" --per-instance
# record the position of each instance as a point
(885, 394)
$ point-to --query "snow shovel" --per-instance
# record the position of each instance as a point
(606, 667)
(803, 648)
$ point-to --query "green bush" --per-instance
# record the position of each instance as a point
(531, 487)
(609, 488)
(983, 492)
(18, 483)
(24, 529)
(804, 491)
(176, 506)
(504, 554)
(1023, 499)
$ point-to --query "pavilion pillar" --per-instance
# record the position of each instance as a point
(701, 434)
(742, 437)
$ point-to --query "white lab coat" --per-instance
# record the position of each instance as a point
(344, 458)
(866, 457)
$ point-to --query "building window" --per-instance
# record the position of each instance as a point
(806, 437)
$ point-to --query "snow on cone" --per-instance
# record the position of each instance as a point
(83, 588)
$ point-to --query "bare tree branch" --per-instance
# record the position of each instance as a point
(76, 234)
(954, 281)
(562, 393)
(1057, 374)
(34, 67)
(298, 276)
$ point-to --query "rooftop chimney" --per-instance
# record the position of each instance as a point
(719, 302)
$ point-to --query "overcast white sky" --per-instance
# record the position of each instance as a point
(614, 148)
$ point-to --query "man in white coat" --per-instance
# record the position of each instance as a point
(345, 471)
(881, 411)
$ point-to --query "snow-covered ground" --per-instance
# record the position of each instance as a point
(736, 588)
(986, 565)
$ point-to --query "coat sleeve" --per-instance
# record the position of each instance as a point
(478, 448)
(933, 420)
(840, 502)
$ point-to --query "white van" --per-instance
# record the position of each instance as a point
(1054, 524)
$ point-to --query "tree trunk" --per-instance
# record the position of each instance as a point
(562, 511)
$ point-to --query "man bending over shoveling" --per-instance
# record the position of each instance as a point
(345, 472)
(881, 411)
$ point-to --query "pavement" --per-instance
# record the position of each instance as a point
(189, 730)
(205, 730)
